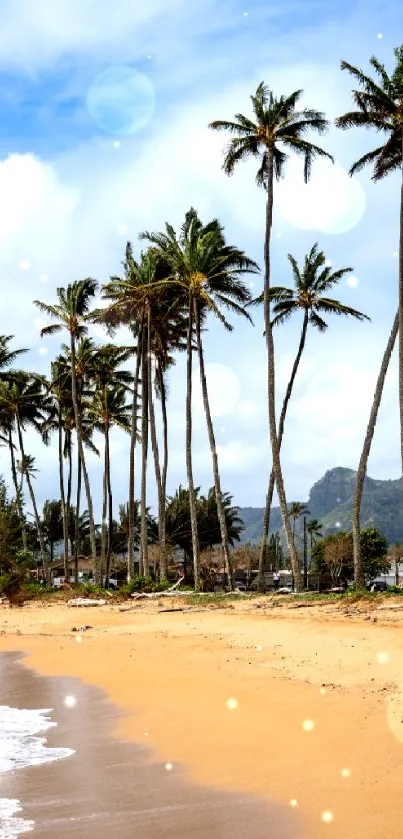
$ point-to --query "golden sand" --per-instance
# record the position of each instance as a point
(303, 706)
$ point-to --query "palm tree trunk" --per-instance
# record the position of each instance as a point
(110, 505)
(214, 456)
(144, 455)
(104, 513)
(278, 476)
(359, 578)
(18, 498)
(33, 502)
(164, 569)
(79, 431)
(269, 496)
(400, 327)
(157, 466)
(63, 499)
(132, 459)
(69, 485)
(189, 465)
(77, 521)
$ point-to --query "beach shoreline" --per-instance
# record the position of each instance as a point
(317, 714)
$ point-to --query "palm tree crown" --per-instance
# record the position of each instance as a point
(276, 125)
(310, 283)
(379, 105)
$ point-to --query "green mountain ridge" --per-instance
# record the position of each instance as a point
(331, 501)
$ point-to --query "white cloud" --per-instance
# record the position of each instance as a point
(224, 390)
(331, 201)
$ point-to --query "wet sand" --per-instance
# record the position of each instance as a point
(117, 786)
(172, 674)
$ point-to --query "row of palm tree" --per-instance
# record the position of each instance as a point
(165, 297)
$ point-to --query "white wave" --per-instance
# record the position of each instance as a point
(21, 746)
(10, 824)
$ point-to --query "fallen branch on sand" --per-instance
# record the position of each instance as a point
(86, 601)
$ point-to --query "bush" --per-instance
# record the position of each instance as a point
(144, 584)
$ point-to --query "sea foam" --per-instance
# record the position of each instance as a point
(21, 745)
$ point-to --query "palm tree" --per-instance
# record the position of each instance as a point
(59, 419)
(295, 511)
(7, 376)
(359, 576)
(277, 126)
(72, 312)
(135, 302)
(315, 530)
(379, 105)
(206, 271)
(308, 296)
(26, 403)
(109, 408)
(26, 466)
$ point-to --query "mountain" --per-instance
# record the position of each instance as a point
(331, 501)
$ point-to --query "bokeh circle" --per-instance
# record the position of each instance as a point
(121, 100)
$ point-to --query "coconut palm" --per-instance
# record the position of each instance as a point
(72, 313)
(277, 127)
(7, 359)
(59, 419)
(311, 284)
(23, 404)
(359, 576)
(109, 408)
(379, 104)
(135, 302)
(315, 530)
(26, 466)
(207, 273)
(295, 511)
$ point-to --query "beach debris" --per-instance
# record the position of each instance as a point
(86, 601)
(70, 701)
(308, 725)
(81, 628)
(232, 704)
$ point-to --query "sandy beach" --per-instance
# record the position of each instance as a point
(316, 721)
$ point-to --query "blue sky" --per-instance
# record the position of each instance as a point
(71, 194)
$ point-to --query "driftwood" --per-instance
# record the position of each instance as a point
(86, 601)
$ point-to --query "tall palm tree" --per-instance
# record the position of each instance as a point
(109, 408)
(277, 126)
(315, 530)
(7, 375)
(26, 466)
(72, 313)
(295, 511)
(60, 389)
(379, 105)
(23, 403)
(207, 273)
(135, 302)
(311, 284)
(359, 576)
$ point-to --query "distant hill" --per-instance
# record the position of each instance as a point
(331, 501)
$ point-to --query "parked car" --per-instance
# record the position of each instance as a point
(377, 585)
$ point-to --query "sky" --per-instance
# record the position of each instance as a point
(104, 112)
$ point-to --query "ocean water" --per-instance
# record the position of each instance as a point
(23, 744)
